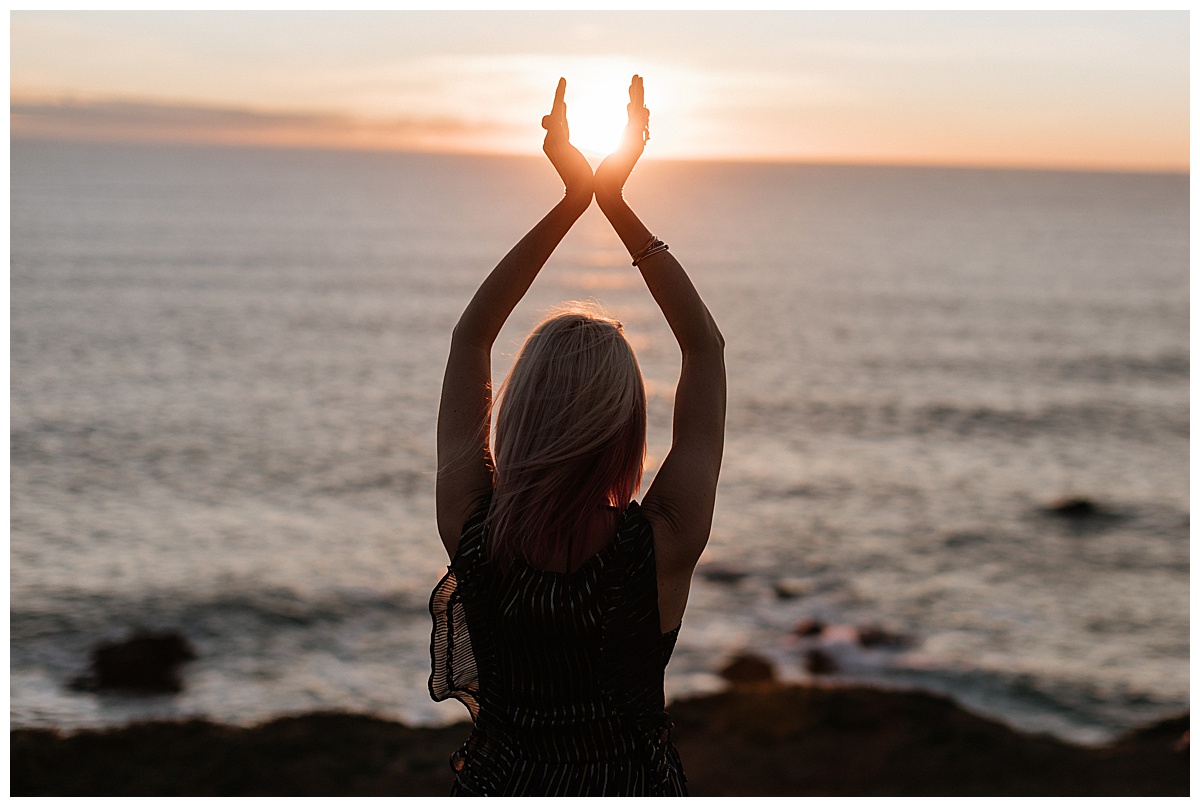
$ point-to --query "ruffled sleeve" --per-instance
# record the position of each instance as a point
(455, 673)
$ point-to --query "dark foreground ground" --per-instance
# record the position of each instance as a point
(804, 741)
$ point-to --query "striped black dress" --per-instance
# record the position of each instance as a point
(562, 673)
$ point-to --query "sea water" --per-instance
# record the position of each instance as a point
(225, 367)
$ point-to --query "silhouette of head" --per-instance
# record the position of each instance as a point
(570, 432)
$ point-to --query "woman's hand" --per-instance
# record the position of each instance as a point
(571, 165)
(615, 170)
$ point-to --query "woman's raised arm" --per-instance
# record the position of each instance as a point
(464, 469)
(681, 499)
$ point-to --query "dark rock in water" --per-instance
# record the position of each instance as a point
(1171, 734)
(1073, 507)
(747, 668)
(874, 636)
(808, 627)
(720, 573)
(818, 662)
(791, 589)
(960, 539)
(145, 663)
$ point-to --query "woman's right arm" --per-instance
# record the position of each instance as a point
(681, 499)
(464, 466)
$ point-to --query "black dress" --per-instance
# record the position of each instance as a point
(562, 673)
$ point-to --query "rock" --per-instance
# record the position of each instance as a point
(1073, 507)
(818, 662)
(875, 636)
(1171, 733)
(854, 741)
(145, 663)
(957, 540)
(748, 668)
(790, 589)
(808, 627)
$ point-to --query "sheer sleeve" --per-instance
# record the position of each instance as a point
(455, 673)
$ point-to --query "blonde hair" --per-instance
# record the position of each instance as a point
(570, 433)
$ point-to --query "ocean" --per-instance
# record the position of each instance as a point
(225, 367)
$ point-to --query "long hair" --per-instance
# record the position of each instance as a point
(570, 433)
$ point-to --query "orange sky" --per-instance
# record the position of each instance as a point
(1038, 89)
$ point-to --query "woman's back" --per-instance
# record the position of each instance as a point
(562, 705)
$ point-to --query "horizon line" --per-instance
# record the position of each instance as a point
(843, 161)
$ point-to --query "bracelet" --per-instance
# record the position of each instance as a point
(652, 248)
(645, 247)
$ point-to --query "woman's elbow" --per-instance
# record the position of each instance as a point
(468, 334)
(718, 337)
(708, 340)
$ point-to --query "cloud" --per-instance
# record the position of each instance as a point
(149, 121)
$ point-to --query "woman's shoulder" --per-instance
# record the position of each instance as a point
(672, 553)
(644, 536)
(474, 530)
(633, 523)
(479, 512)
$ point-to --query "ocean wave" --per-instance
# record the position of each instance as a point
(964, 420)
(1167, 366)
(1080, 711)
(1033, 366)
(74, 616)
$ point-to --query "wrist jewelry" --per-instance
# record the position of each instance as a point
(641, 253)
(653, 248)
(645, 247)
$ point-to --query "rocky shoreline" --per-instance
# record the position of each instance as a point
(755, 740)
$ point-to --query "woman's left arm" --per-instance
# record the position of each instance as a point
(464, 468)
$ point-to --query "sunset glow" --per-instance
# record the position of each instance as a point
(596, 109)
(1039, 89)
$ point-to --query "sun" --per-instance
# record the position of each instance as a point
(597, 96)
(595, 125)
(596, 99)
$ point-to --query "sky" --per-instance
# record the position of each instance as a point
(1080, 90)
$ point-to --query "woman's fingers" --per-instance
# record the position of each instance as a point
(558, 111)
(557, 119)
(639, 116)
(560, 96)
(637, 100)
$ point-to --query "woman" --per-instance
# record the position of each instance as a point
(564, 596)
